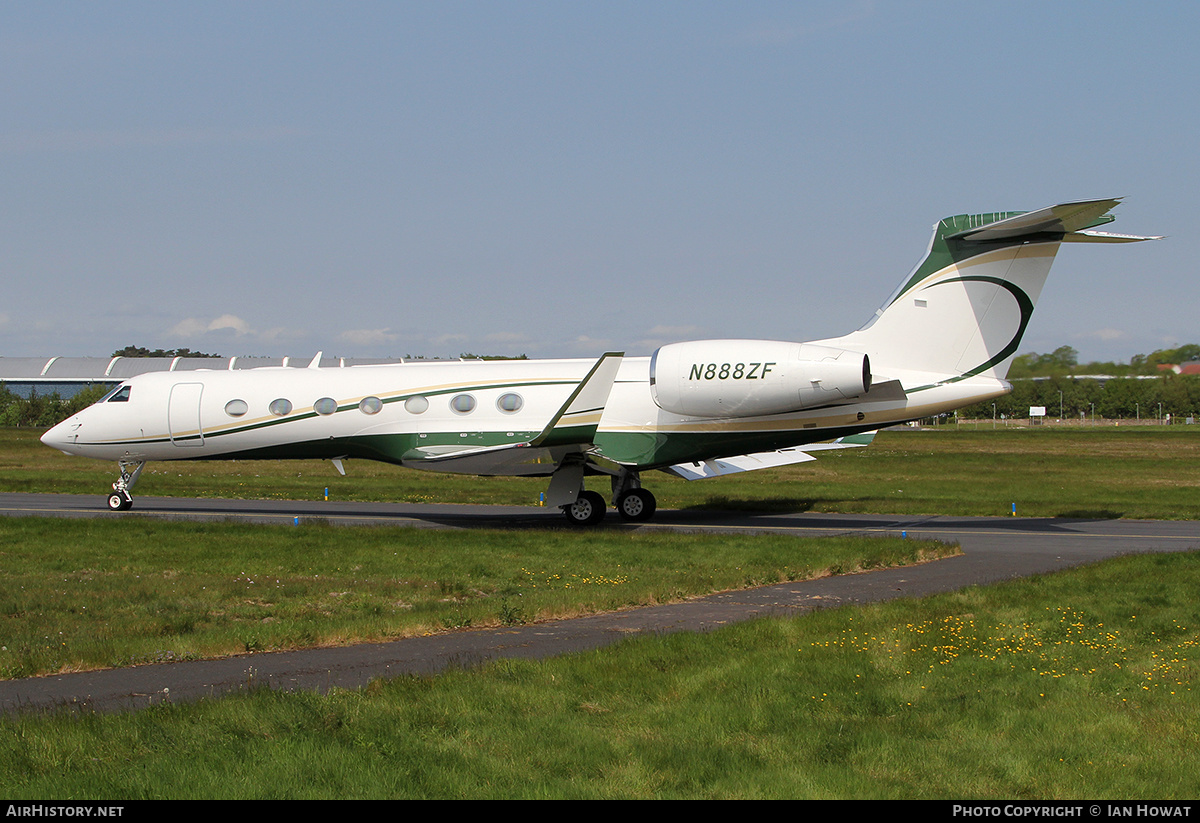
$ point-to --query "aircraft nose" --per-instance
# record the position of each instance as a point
(63, 436)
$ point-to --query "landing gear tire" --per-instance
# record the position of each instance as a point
(120, 501)
(636, 505)
(588, 510)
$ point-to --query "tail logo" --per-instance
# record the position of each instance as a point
(1024, 303)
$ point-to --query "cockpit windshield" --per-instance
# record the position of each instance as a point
(118, 395)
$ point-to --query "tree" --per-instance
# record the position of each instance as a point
(141, 351)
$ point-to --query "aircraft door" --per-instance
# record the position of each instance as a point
(183, 415)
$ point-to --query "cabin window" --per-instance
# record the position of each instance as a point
(462, 403)
(280, 407)
(326, 405)
(236, 408)
(416, 404)
(118, 395)
(370, 405)
(510, 403)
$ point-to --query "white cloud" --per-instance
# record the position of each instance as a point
(368, 337)
(190, 327)
(591, 345)
(1107, 334)
(230, 321)
(195, 327)
(507, 337)
(662, 335)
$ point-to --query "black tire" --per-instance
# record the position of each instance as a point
(636, 505)
(588, 510)
(120, 501)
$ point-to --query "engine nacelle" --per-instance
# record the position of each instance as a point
(746, 378)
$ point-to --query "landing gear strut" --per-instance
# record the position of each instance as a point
(120, 499)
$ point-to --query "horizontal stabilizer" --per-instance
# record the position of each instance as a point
(765, 460)
(1069, 219)
(1107, 237)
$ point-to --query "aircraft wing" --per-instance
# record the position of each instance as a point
(765, 460)
(570, 430)
(509, 459)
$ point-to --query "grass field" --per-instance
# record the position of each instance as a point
(1076, 685)
(1072, 685)
(99, 593)
(1137, 472)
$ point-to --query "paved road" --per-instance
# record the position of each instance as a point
(994, 549)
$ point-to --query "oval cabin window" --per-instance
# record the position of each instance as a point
(510, 403)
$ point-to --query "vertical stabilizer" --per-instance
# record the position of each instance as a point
(964, 309)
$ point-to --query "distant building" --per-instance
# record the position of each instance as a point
(1190, 367)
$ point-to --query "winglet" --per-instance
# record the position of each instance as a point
(579, 417)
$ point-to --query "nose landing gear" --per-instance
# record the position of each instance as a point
(120, 499)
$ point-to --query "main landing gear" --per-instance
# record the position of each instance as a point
(587, 510)
(636, 505)
(120, 499)
(632, 502)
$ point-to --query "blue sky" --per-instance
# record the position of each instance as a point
(561, 179)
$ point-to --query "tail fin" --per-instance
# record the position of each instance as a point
(963, 310)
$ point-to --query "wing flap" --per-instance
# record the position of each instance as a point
(765, 460)
(509, 459)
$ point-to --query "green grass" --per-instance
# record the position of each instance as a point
(1136, 472)
(1076, 685)
(97, 593)
(1073, 685)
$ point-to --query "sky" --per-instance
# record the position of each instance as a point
(557, 179)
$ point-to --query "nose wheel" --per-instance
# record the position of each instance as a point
(120, 500)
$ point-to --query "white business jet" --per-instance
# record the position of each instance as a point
(698, 409)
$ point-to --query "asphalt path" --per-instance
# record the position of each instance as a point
(994, 549)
